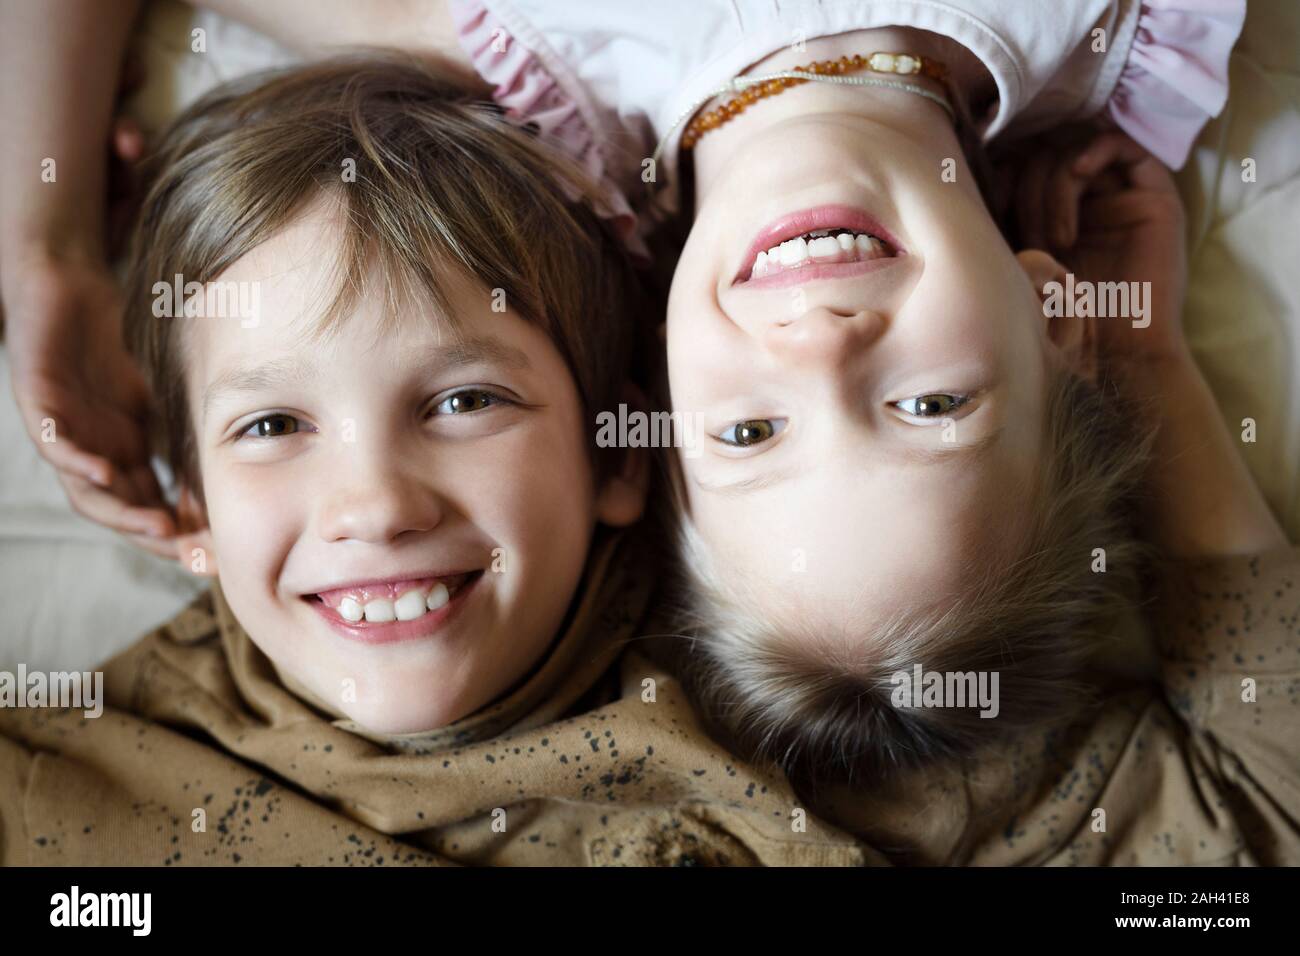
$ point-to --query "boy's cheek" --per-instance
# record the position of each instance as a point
(251, 526)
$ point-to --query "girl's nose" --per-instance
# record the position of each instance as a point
(822, 338)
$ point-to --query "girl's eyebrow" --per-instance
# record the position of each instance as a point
(296, 371)
(745, 485)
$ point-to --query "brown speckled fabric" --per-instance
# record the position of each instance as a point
(1175, 770)
(1181, 770)
(198, 720)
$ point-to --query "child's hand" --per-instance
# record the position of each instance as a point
(1108, 210)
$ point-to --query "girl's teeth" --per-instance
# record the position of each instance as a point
(823, 246)
(380, 611)
(438, 596)
(410, 605)
(794, 251)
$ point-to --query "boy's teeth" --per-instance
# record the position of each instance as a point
(438, 596)
(862, 244)
(380, 611)
(410, 605)
(845, 241)
(414, 602)
(351, 610)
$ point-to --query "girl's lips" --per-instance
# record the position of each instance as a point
(814, 270)
(808, 220)
(391, 632)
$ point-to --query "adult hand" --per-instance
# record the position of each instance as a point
(83, 401)
(1110, 212)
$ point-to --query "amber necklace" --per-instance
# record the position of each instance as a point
(748, 90)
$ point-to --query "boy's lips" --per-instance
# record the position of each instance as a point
(829, 218)
(386, 632)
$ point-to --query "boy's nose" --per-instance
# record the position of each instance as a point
(376, 503)
(823, 338)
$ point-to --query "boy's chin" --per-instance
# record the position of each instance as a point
(396, 723)
(383, 717)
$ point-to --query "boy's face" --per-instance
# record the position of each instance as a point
(876, 420)
(457, 467)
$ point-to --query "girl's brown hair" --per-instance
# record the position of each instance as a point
(427, 177)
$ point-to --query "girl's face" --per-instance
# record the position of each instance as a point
(870, 426)
(456, 466)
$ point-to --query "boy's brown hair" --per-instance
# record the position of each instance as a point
(799, 700)
(427, 178)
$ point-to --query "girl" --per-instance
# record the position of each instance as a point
(911, 462)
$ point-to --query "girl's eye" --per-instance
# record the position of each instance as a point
(466, 400)
(931, 406)
(755, 431)
(271, 426)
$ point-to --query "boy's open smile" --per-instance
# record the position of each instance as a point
(396, 610)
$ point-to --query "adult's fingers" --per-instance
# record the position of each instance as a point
(146, 492)
(69, 458)
(1118, 212)
(1140, 168)
(163, 547)
(1029, 199)
(1105, 149)
(120, 443)
(110, 509)
(128, 139)
(1063, 193)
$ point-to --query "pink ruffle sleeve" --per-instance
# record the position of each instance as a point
(1176, 76)
(531, 95)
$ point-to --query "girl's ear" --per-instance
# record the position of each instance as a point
(1071, 337)
(620, 499)
(194, 549)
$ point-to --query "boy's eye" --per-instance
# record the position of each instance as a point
(931, 406)
(466, 400)
(271, 426)
(754, 431)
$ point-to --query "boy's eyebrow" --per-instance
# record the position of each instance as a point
(907, 453)
(297, 371)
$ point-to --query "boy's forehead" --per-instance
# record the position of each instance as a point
(224, 357)
(279, 295)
